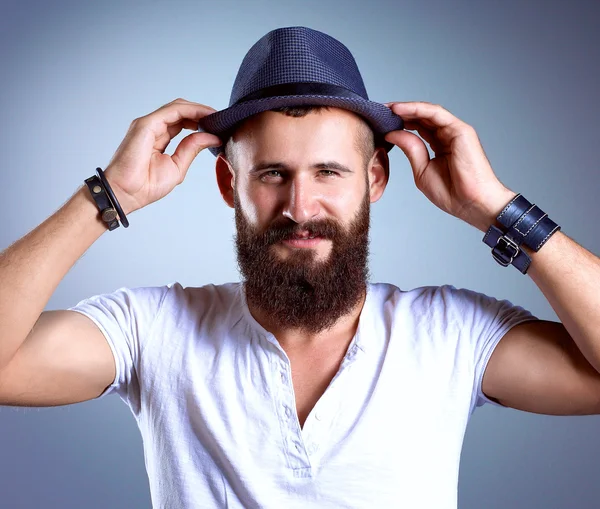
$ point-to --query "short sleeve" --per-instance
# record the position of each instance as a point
(125, 317)
(483, 321)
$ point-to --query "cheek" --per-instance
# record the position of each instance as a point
(342, 200)
(256, 204)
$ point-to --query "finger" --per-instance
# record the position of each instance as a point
(183, 101)
(422, 121)
(173, 130)
(426, 134)
(443, 136)
(190, 147)
(414, 149)
(173, 113)
(430, 114)
(437, 145)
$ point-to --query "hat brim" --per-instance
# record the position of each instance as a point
(381, 118)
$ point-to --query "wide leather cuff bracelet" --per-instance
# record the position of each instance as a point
(524, 223)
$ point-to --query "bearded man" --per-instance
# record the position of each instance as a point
(304, 384)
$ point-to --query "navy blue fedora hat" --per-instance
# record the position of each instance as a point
(295, 66)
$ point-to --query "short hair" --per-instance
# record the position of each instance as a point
(366, 141)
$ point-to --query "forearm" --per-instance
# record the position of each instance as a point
(569, 277)
(33, 266)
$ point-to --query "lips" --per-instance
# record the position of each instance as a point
(303, 239)
(304, 236)
(294, 233)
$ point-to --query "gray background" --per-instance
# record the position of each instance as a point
(74, 75)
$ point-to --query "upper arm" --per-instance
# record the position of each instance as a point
(537, 367)
(65, 359)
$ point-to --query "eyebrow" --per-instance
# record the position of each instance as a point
(327, 165)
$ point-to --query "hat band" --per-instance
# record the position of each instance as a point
(308, 88)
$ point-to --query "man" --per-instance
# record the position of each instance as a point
(305, 386)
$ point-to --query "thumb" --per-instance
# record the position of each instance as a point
(413, 147)
(191, 146)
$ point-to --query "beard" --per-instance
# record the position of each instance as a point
(301, 292)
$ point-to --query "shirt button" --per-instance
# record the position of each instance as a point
(283, 378)
(288, 411)
(298, 447)
(318, 416)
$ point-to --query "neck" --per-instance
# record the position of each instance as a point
(298, 338)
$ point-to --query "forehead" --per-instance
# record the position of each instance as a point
(327, 134)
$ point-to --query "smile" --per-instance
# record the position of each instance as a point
(303, 242)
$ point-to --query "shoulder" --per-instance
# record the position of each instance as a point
(206, 297)
(440, 296)
(212, 302)
(445, 300)
(171, 297)
(208, 294)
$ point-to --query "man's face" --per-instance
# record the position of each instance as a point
(295, 170)
(302, 214)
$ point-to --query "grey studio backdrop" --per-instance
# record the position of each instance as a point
(74, 75)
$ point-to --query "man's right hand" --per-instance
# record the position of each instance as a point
(139, 172)
(61, 357)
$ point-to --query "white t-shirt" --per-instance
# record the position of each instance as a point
(212, 394)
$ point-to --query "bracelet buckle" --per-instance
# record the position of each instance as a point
(505, 250)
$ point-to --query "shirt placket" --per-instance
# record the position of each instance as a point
(320, 419)
(293, 442)
(302, 446)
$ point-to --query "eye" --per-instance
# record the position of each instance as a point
(270, 175)
(328, 173)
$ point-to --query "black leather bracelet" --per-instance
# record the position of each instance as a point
(107, 211)
(524, 223)
(112, 197)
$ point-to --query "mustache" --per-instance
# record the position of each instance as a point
(287, 229)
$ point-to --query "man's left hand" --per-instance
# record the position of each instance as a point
(459, 179)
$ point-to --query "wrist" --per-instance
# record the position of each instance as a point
(83, 199)
(111, 210)
(522, 224)
(493, 207)
(128, 204)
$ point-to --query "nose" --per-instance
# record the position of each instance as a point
(301, 201)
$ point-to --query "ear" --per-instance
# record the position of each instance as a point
(378, 173)
(225, 179)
